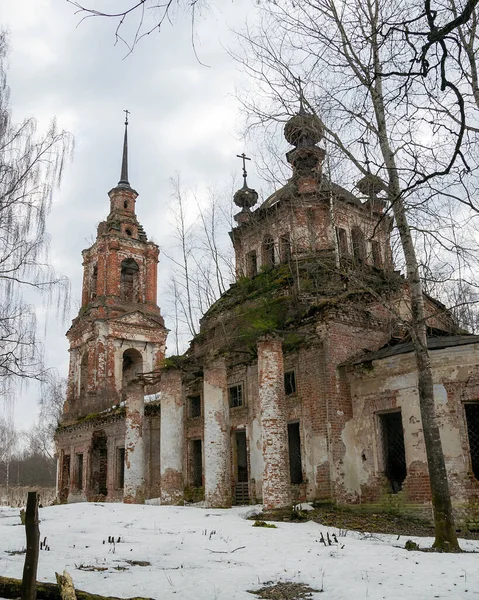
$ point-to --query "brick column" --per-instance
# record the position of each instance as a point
(171, 438)
(276, 478)
(112, 274)
(216, 436)
(134, 483)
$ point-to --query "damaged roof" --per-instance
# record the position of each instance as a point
(433, 343)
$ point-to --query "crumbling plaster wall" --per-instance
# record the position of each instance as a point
(391, 383)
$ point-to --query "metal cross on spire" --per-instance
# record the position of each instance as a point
(301, 96)
(244, 159)
(124, 163)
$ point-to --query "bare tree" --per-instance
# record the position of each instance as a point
(8, 446)
(41, 436)
(31, 166)
(201, 256)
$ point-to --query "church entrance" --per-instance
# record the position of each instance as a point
(99, 464)
(241, 475)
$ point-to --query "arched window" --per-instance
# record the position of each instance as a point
(342, 242)
(132, 364)
(84, 374)
(251, 264)
(93, 282)
(268, 252)
(376, 252)
(359, 245)
(285, 248)
(129, 280)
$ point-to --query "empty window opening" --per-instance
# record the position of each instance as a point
(129, 280)
(285, 248)
(194, 403)
(394, 456)
(252, 266)
(359, 245)
(99, 463)
(268, 252)
(342, 240)
(80, 471)
(241, 457)
(132, 364)
(84, 374)
(294, 445)
(93, 282)
(235, 395)
(376, 252)
(120, 467)
(289, 383)
(472, 420)
(196, 463)
(129, 232)
(125, 204)
(65, 481)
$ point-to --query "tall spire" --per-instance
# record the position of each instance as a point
(124, 163)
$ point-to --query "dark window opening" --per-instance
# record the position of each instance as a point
(294, 445)
(196, 463)
(120, 467)
(93, 282)
(252, 265)
(472, 420)
(132, 364)
(84, 374)
(289, 383)
(129, 280)
(285, 248)
(394, 456)
(194, 406)
(65, 478)
(342, 239)
(125, 204)
(236, 396)
(80, 471)
(268, 252)
(376, 251)
(359, 245)
(99, 463)
(241, 457)
(128, 232)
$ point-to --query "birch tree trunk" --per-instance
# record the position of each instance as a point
(446, 538)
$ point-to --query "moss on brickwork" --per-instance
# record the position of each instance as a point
(175, 362)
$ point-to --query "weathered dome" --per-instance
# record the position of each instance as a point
(245, 197)
(304, 130)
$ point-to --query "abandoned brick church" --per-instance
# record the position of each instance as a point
(301, 384)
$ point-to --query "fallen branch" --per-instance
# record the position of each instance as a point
(11, 588)
(226, 551)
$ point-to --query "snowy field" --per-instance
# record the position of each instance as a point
(204, 554)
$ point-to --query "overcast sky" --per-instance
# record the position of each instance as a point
(184, 117)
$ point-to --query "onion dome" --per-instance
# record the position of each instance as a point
(371, 185)
(303, 130)
(245, 197)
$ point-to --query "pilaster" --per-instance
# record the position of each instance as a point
(276, 476)
(172, 438)
(134, 484)
(217, 452)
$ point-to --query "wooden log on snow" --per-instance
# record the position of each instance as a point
(11, 588)
(65, 584)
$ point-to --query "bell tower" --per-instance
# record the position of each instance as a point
(119, 330)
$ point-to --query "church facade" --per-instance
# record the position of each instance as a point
(299, 386)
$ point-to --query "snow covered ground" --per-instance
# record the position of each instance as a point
(206, 554)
